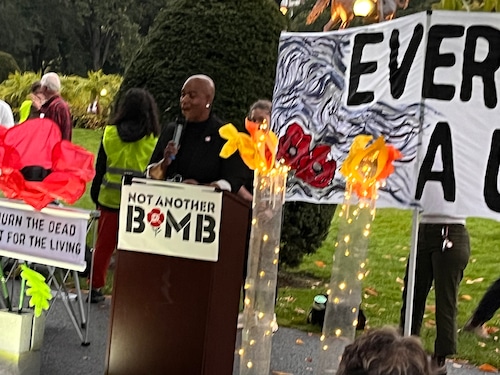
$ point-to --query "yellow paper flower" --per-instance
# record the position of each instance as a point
(237, 141)
(366, 164)
(257, 150)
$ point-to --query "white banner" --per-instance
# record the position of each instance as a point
(427, 83)
(172, 219)
(54, 236)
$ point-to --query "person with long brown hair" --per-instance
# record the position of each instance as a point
(126, 147)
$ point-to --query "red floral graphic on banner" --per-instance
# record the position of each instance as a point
(311, 166)
(155, 219)
(293, 145)
(315, 169)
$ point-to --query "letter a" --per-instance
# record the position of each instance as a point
(440, 137)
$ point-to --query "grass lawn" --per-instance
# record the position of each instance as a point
(387, 256)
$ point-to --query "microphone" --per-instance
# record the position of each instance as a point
(177, 135)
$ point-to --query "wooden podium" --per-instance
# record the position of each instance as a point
(178, 316)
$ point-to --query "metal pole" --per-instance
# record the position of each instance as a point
(412, 258)
(410, 283)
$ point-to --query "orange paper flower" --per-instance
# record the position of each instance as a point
(368, 164)
(265, 141)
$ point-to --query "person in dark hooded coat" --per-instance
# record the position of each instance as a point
(126, 147)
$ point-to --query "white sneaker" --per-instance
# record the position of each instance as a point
(240, 321)
(274, 324)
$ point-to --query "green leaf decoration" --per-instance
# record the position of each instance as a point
(38, 289)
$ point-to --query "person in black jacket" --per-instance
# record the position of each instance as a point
(194, 159)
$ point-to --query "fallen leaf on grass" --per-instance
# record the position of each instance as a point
(288, 299)
(488, 368)
(465, 297)
(478, 280)
(491, 330)
(299, 342)
(403, 259)
(320, 263)
(371, 292)
(481, 344)
(399, 280)
(430, 323)
(431, 308)
(300, 311)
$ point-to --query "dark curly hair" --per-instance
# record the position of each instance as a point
(384, 351)
(138, 105)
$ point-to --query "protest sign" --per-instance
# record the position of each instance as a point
(54, 236)
(170, 219)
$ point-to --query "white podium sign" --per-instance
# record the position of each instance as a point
(54, 236)
(172, 219)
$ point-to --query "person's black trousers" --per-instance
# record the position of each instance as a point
(488, 305)
(443, 266)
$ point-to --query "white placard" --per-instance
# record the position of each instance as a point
(53, 236)
(172, 219)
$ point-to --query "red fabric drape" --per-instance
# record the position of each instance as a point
(37, 142)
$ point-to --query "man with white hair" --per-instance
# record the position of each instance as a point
(6, 116)
(55, 108)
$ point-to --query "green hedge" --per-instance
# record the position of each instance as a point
(305, 226)
(8, 65)
(234, 42)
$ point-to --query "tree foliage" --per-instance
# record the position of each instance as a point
(234, 42)
(8, 65)
(107, 29)
(75, 36)
(78, 91)
(299, 14)
(469, 5)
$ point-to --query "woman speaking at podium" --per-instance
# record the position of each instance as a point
(189, 151)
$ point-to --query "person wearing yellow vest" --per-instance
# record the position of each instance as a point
(30, 108)
(126, 147)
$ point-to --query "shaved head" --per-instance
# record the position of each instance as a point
(197, 95)
(205, 83)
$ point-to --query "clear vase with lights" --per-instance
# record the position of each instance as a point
(365, 169)
(258, 150)
(262, 271)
